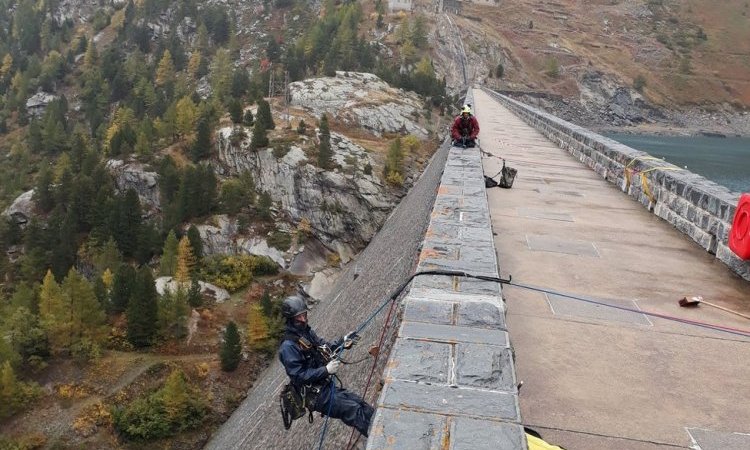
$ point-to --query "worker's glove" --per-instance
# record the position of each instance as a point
(333, 366)
(351, 339)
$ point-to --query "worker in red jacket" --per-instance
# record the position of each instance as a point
(465, 129)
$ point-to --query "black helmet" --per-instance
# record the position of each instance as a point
(293, 306)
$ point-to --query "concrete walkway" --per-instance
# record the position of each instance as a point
(594, 377)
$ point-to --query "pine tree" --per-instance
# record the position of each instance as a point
(195, 242)
(248, 119)
(43, 197)
(202, 145)
(231, 349)
(324, 148)
(264, 115)
(194, 297)
(259, 139)
(168, 263)
(185, 260)
(122, 288)
(257, 330)
(175, 395)
(173, 312)
(142, 312)
(235, 110)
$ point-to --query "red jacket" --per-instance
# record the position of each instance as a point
(465, 128)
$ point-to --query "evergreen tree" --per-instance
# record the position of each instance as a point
(248, 119)
(196, 243)
(142, 312)
(43, 197)
(185, 260)
(125, 222)
(264, 206)
(173, 311)
(195, 298)
(201, 148)
(259, 139)
(235, 111)
(231, 349)
(301, 127)
(168, 263)
(325, 154)
(264, 115)
(122, 288)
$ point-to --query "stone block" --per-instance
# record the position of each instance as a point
(473, 434)
(428, 311)
(485, 366)
(396, 429)
(423, 361)
(481, 315)
(469, 286)
(450, 400)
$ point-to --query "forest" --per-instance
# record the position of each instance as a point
(78, 277)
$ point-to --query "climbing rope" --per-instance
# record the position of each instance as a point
(502, 281)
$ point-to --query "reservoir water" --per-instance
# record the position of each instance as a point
(723, 160)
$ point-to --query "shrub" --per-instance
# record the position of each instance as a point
(174, 408)
(552, 68)
(236, 271)
(639, 83)
(280, 240)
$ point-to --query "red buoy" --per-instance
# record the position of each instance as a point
(739, 235)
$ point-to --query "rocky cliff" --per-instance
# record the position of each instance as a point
(345, 208)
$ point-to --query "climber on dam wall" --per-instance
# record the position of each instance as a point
(465, 129)
(312, 362)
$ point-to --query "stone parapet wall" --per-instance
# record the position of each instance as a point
(697, 207)
(450, 380)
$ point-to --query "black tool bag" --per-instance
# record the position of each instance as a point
(507, 175)
(292, 405)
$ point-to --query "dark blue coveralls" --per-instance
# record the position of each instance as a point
(306, 368)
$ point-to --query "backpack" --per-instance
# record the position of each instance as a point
(507, 175)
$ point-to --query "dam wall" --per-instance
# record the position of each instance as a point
(699, 208)
(450, 380)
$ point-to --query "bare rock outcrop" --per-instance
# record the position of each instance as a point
(133, 175)
(344, 207)
(361, 100)
(22, 208)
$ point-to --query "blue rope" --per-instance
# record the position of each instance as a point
(328, 415)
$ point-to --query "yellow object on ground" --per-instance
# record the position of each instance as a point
(537, 444)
